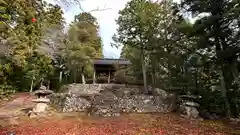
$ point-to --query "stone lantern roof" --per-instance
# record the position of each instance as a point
(43, 91)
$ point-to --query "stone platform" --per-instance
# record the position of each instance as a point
(110, 100)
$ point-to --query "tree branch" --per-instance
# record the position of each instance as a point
(93, 10)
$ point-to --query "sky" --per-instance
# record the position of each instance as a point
(106, 20)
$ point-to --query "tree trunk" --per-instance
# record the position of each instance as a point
(75, 77)
(224, 93)
(169, 73)
(220, 40)
(41, 82)
(235, 72)
(60, 76)
(144, 72)
(223, 78)
(153, 74)
(83, 78)
(31, 89)
(48, 86)
(196, 81)
(94, 77)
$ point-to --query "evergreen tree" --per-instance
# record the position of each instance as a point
(84, 45)
(24, 37)
(218, 31)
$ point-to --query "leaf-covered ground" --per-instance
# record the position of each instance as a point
(128, 124)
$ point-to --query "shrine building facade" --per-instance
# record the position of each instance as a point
(107, 67)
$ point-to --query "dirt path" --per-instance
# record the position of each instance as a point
(14, 107)
(20, 100)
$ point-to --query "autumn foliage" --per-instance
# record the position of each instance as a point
(134, 124)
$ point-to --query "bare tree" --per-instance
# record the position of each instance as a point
(68, 3)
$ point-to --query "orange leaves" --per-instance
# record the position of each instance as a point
(163, 124)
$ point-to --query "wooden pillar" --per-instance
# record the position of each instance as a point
(94, 76)
(109, 76)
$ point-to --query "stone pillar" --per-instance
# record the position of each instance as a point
(109, 76)
(94, 76)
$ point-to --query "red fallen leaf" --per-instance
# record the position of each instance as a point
(164, 125)
(34, 20)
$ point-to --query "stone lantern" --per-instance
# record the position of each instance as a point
(191, 109)
(190, 106)
(41, 102)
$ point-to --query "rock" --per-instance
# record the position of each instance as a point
(112, 105)
(45, 92)
(126, 91)
(75, 104)
(40, 107)
(69, 103)
(43, 87)
(5, 99)
(105, 104)
(103, 100)
(193, 104)
(79, 89)
(192, 112)
(161, 92)
(91, 89)
(235, 121)
(189, 106)
(32, 114)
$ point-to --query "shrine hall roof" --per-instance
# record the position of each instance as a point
(111, 61)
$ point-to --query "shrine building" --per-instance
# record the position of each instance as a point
(107, 67)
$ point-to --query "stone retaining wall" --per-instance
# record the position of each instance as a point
(110, 100)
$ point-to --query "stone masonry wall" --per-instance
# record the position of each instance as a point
(110, 100)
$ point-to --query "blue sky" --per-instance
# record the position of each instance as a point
(106, 20)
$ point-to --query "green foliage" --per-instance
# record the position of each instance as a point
(83, 44)
(151, 28)
(33, 53)
(76, 57)
(86, 17)
(166, 50)
(23, 40)
(123, 76)
(218, 32)
(85, 30)
(182, 57)
(6, 90)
